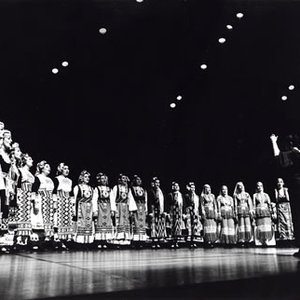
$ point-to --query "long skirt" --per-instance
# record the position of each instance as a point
(42, 216)
(123, 222)
(264, 233)
(158, 226)
(193, 226)
(6, 239)
(3, 213)
(64, 214)
(285, 224)
(12, 221)
(24, 225)
(176, 222)
(228, 234)
(104, 226)
(210, 231)
(84, 226)
(48, 212)
(139, 223)
(244, 230)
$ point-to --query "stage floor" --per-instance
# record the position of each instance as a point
(53, 274)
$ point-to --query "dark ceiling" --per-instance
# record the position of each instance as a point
(109, 109)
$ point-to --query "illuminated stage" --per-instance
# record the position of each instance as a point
(183, 273)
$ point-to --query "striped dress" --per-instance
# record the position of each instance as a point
(209, 214)
(285, 225)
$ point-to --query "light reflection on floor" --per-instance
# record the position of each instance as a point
(71, 273)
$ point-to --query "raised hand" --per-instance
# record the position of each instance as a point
(274, 138)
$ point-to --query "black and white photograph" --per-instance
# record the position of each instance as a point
(149, 149)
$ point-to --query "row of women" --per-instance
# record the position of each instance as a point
(37, 211)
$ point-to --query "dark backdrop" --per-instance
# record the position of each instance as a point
(109, 110)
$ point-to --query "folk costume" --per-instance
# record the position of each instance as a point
(125, 205)
(139, 224)
(209, 215)
(83, 216)
(102, 207)
(244, 213)
(157, 215)
(192, 216)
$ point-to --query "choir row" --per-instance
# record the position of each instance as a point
(35, 209)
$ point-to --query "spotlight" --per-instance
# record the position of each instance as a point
(102, 30)
(65, 64)
(203, 66)
(139, 1)
(291, 87)
(229, 27)
(55, 71)
(239, 15)
(284, 98)
(222, 40)
(172, 105)
(179, 98)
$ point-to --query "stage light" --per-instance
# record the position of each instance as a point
(203, 66)
(179, 98)
(291, 87)
(284, 98)
(102, 30)
(65, 64)
(239, 15)
(222, 40)
(172, 105)
(229, 27)
(139, 1)
(55, 71)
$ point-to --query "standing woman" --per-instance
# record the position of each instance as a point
(157, 215)
(175, 205)
(244, 212)
(125, 206)
(284, 216)
(226, 210)
(139, 217)
(24, 198)
(104, 209)
(83, 195)
(64, 202)
(12, 183)
(209, 214)
(263, 233)
(289, 159)
(43, 205)
(5, 164)
(193, 224)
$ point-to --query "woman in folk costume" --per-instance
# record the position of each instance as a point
(264, 232)
(175, 209)
(209, 211)
(5, 164)
(193, 225)
(64, 203)
(285, 225)
(12, 183)
(227, 213)
(24, 198)
(104, 208)
(139, 217)
(83, 195)
(121, 195)
(244, 212)
(157, 215)
(43, 205)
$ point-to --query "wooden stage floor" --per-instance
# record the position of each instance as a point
(143, 274)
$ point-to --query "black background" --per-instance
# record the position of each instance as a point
(109, 110)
